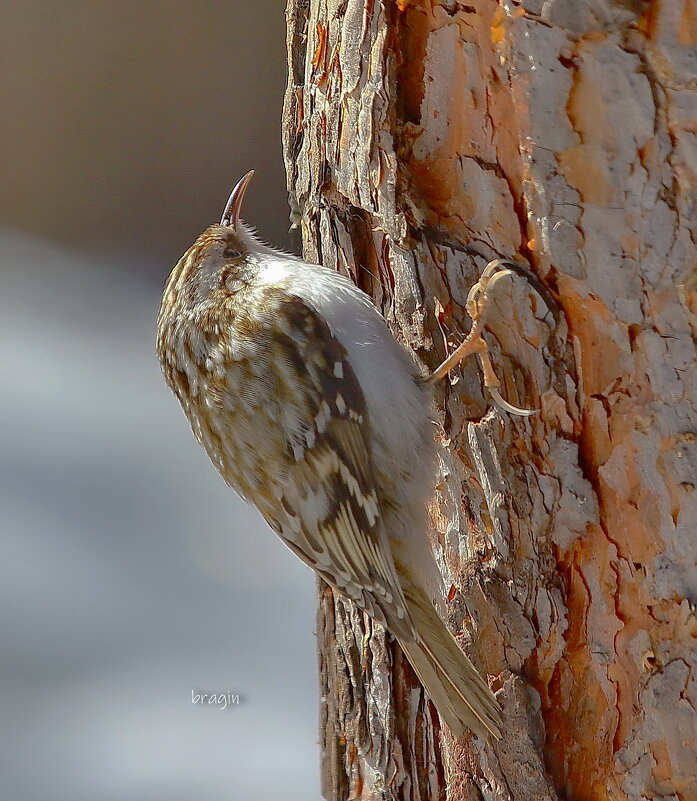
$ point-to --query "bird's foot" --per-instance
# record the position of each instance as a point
(474, 342)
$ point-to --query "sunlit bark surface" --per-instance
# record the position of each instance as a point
(423, 139)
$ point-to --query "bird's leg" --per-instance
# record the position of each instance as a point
(474, 342)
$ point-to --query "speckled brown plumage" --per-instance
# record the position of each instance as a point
(308, 407)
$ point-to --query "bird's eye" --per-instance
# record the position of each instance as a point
(231, 252)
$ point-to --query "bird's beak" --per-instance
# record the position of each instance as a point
(231, 214)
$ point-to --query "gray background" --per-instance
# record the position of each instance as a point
(129, 574)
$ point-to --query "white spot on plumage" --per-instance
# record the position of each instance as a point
(275, 270)
(323, 417)
(368, 502)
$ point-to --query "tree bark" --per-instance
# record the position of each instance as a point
(423, 139)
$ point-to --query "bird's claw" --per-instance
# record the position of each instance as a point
(488, 278)
(509, 407)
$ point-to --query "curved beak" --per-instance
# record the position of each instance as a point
(231, 214)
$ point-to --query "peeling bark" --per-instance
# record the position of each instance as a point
(423, 139)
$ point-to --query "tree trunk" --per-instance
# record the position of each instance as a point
(422, 140)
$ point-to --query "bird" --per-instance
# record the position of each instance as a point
(313, 412)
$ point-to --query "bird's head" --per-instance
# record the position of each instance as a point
(221, 260)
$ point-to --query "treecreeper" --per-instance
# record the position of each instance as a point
(312, 411)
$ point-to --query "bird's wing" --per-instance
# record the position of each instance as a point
(329, 503)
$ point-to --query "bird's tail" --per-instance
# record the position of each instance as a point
(461, 696)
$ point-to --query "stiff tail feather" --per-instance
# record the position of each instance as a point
(463, 699)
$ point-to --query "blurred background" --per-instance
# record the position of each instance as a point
(130, 576)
